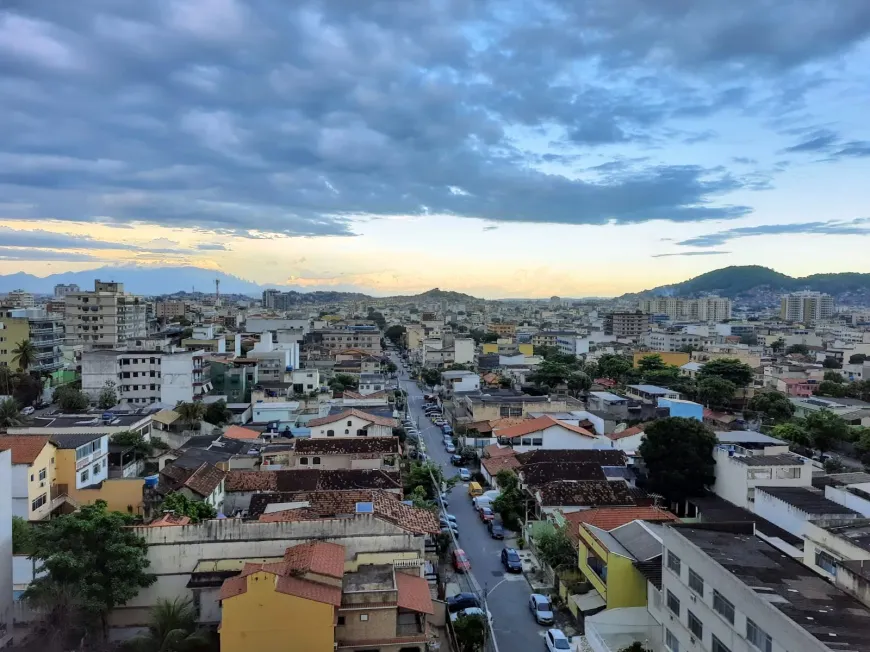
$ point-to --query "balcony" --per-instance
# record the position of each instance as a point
(616, 629)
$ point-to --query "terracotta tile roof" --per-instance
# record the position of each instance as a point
(347, 445)
(293, 480)
(25, 448)
(605, 382)
(316, 557)
(610, 518)
(205, 479)
(365, 416)
(252, 481)
(291, 516)
(357, 395)
(309, 590)
(591, 493)
(628, 432)
(233, 586)
(169, 520)
(414, 593)
(536, 425)
(721, 417)
(505, 422)
(542, 473)
(602, 456)
(495, 464)
(237, 432)
(494, 450)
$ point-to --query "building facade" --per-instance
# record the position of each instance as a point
(104, 318)
(19, 299)
(627, 324)
(806, 306)
(680, 309)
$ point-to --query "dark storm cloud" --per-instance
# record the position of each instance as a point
(860, 226)
(267, 117)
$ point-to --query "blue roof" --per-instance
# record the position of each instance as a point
(652, 389)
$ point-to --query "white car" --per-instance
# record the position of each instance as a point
(557, 641)
(28, 410)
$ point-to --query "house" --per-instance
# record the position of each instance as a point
(372, 383)
(547, 433)
(460, 381)
(792, 508)
(506, 403)
(851, 490)
(682, 408)
(275, 411)
(650, 393)
(495, 459)
(746, 460)
(575, 495)
(352, 423)
(629, 439)
(346, 453)
(481, 434)
(205, 483)
(241, 434)
(32, 474)
(840, 552)
(691, 369)
(723, 588)
(797, 387)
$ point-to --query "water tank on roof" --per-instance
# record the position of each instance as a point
(151, 481)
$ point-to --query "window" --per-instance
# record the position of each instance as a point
(718, 646)
(96, 468)
(303, 461)
(537, 441)
(826, 562)
(84, 475)
(526, 441)
(39, 502)
(674, 604)
(696, 583)
(363, 617)
(504, 411)
(674, 563)
(330, 433)
(340, 620)
(362, 433)
(695, 626)
(315, 460)
(788, 474)
(765, 473)
(671, 641)
(349, 423)
(758, 637)
(723, 607)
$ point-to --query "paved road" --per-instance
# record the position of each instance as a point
(515, 630)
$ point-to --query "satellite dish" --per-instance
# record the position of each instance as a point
(620, 427)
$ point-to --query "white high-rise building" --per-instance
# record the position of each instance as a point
(105, 318)
(806, 306)
(19, 299)
(61, 290)
(680, 309)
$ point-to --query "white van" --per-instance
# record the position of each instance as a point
(486, 498)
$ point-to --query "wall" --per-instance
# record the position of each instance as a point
(342, 429)
(788, 517)
(838, 547)
(67, 473)
(559, 438)
(464, 350)
(686, 409)
(98, 368)
(842, 496)
(177, 378)
(12, 331)
(264, 620)
(47, 459)
(733, 484)
(5, 547)
(119, 493)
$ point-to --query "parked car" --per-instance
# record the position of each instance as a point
(460, 561)
(485, 498)
(445, 499)
(541, 609)
(453, 525)
(464, 474)
(450, 517)
(496, 530)
(450, 448)
(447, 430)
(28, 410)
(462, 601)
(556, 640)
(486, 514)
(456, 460)
(511, 561)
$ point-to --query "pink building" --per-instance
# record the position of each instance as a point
(797, 386)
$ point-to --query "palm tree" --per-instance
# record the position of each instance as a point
(10, 415)
(24, 354)
(191, 413)
(171, 628)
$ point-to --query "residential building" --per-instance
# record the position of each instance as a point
(673, 358)
(707, 309)
(548, 433)
(463, 350)
(502, 329)
(271, 323)
(275, 359)
(104, 423)
(234, 378)
(746, 460)
(61, 290)
(334, 340)
(650, 393)
(47, 333)
(82, 460)
(793, 508)
(670, 342)
(19, 299)
(13, 331)
(352, 423)
(806, 307)
(680, 408)
(32, 474)
(460, 381)
(550, 338)
(169, 310)
(851, 490)
(371, 384)
(205, 483)
(105, 318)
(345, 453)
(798, 387)
(146, 377)
(839, 550)
(495, 405)
(725, 589)
(305, 380)
(205, 338)
(571, 344)
(6, 600)
(632, 325)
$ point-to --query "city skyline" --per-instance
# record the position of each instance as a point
(498, 150)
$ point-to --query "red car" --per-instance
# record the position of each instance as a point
(460, 561)
(486, 514)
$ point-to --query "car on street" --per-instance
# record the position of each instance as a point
(496, 530)
(486, 514)
(462, 601)
(450, 448)
(464, 474)
(453, 525)
(556, 641)
(456, 460)
(447, 430)
(541, 609)
(511, 561)
(28, 410)
(450, 517)
(460, 561)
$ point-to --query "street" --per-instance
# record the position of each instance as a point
(515, 629)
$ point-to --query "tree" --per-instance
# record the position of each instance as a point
(431, 377)
(857, 358)
(549, 373)
(651, 363)
(93, 555)
(391, 367)
(772, 406)
(108, 397)
(421, 475)
(181, 505)
(637, 646)
(378, 318)
(24, 355)
(71, 399)
(728, 369)
(172, 627)
(792, 432)
(832, 363)
(556, 549)
(342, 382)
(394, 334)
(832, 389)
(614, 367)
(715, 392)
(134, 441)
(22, 536)
(191, 413)
(10, 415)
(777, 345)
(578, 382)
(25, 388)
(799, 349)
(217, 413)
(470, 632)
(825, 428)
(834, 377)
(458, 366)
(678, 454)
(510, 504)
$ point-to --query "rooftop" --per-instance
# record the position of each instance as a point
(856, 532)
(25, 448)
(295, 480)
(536, 425)
(72, 440)
(609, 397)
(652, 389)
(783, 459)
(811, 501)
(609, 518)
(347, 445)
(590, 493)
(359, 414)
(713, 509)
(747, 437)
(80, 421)
(816, 605)
(237, 432)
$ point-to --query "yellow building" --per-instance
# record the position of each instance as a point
(527, 349)
(490, 347)
(502, 329)
(13, 331)
(33, 474)
(675, 359)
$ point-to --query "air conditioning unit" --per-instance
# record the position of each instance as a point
(693, 598)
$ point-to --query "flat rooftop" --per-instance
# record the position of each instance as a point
(807, 500)
(857, 532)
(747, 437)
(823, 610)
(370, 577)
(609, 397)
(79, 421)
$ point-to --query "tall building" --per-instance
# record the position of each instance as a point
(44, 330)
(627, 324)
(104, 318)
(61, 290)
(806, 306)
(170, 309)
(680, 309)
(19, 299)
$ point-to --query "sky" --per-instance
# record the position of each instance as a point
(504, 149)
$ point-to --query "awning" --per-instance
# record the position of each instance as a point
(589, 602)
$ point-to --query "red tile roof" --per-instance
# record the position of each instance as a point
(365, 416)
(168, 520)
(237, 432)
(628, 432)
(25, 448)
(357, 395)
(309, 590)
(495, 464)
(494, 450)
(605, 382)
(316, 557)
(205, 479)
(414, 593)
(610, 518)
(536, 425)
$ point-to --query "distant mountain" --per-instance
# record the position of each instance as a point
(436, 294)
(754, 281)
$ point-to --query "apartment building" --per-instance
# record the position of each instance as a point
(334, 340)
(169, 310)
(13, 331)
(105, 318)
(502, 329)
(806, 306)
(572, 344)
(145, 377)
(61, 290)
(44, 330)
(627, 324)
(19, 299)
(33, 474)
(681, 309)
(726, 590)
(669, 342)
(549, 338)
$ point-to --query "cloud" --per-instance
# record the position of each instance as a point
(51, 240)
(29, 254)
(490, 228)
(298, 119)
(860, 226)
(211, 246)
(692, 253)
(820, 141)
(832, 143)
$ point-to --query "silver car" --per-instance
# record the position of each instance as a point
(541, 609)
